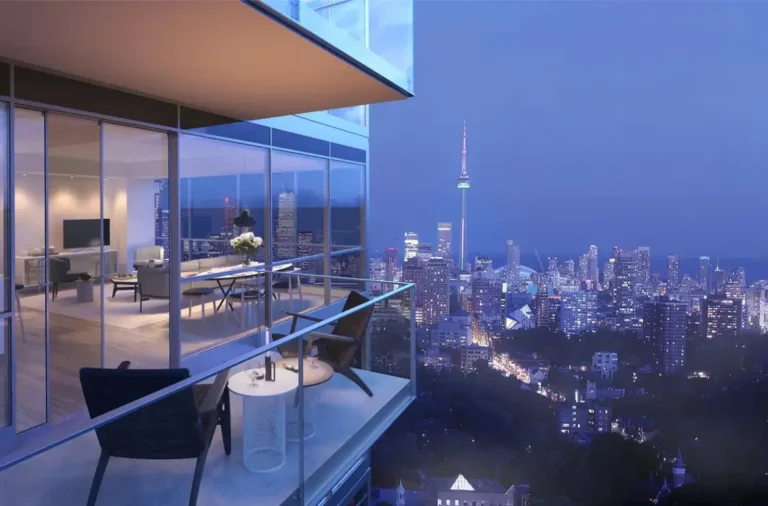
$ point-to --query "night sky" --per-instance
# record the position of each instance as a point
(630, 123)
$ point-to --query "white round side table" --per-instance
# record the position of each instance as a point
(316, 372)
(264, 418)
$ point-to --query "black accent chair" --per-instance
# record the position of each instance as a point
(339, 347)
(58, 269)
(177, 427)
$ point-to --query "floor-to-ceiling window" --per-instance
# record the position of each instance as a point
(30, 331)
(5, 378)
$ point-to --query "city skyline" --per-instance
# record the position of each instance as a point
(557, 130)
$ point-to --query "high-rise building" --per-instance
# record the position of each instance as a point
(705, 274)
(673, 271)
(437, 277)
(390, 259)
(414, 272)
(552, 264)
(609, 273)
(305, 247)
(626, 276)
(463, 186)
(285, 228)
(377, 271)
(487, 299)
(424, 251)
(644, 264)
(546, 308)
(578, 312)
(583, 268)
(720, 316)
(569, 269)
(664, 326)
(593, 271)
(444, 241)
(513, 262)
(483, 263)
(411, 245)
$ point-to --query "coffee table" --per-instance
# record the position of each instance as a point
(264, 417)
(316, 372)
(120, 283)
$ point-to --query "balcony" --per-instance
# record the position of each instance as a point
(328, 428)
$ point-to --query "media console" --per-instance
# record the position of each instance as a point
(29, 269)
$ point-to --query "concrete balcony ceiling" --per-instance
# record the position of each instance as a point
(221, 56)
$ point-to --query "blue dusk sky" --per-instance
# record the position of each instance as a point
(629, 123)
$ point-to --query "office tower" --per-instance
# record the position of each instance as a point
(162, 216)
(578, 312)
(606, 363)
(444, 241)
(609, 273)
(377, 271)
(552, 264)
(230, 213)
(285, 228)
(513, 262)
(593, 271)
(483, 263)
(644, 264)
(583, 268)
(424, 251)
(740, 276)
(463, 186)
(305, 247)
(569, 269)
(705, 273)
(719, 279)
(673, 271)
(390, 259)
(411, 245)
(437, 277)
(720, 316)
(664, 326)
(414, 272)
(546, 308)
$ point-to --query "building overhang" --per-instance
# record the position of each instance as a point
(226, 57)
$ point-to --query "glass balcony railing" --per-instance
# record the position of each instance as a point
(306, 392)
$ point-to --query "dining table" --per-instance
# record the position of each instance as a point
(226, 277)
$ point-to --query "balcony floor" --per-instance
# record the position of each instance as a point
(348, 421)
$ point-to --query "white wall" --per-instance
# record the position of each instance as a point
(129, 205)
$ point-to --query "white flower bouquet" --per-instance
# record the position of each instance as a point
(246, 243)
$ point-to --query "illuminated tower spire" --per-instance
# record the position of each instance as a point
(463, 186)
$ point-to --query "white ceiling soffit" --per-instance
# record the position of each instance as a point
(221, 56)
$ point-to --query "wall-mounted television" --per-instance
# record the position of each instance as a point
(85, 233)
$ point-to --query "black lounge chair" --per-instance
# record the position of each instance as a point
(180, 426)
(339, 347)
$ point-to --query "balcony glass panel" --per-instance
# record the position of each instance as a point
(318, 412)
(299, 192)
(347, 204)
(222, 195)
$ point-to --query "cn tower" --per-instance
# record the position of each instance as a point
(463, 186)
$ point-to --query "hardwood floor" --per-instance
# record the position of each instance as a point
(76, 343)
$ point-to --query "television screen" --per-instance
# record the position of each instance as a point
(84, 233)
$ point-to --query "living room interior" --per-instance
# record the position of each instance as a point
(89, 255)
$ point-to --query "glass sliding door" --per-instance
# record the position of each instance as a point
(31, 270)
(75, 236)
(5, 352)
(135, 204)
